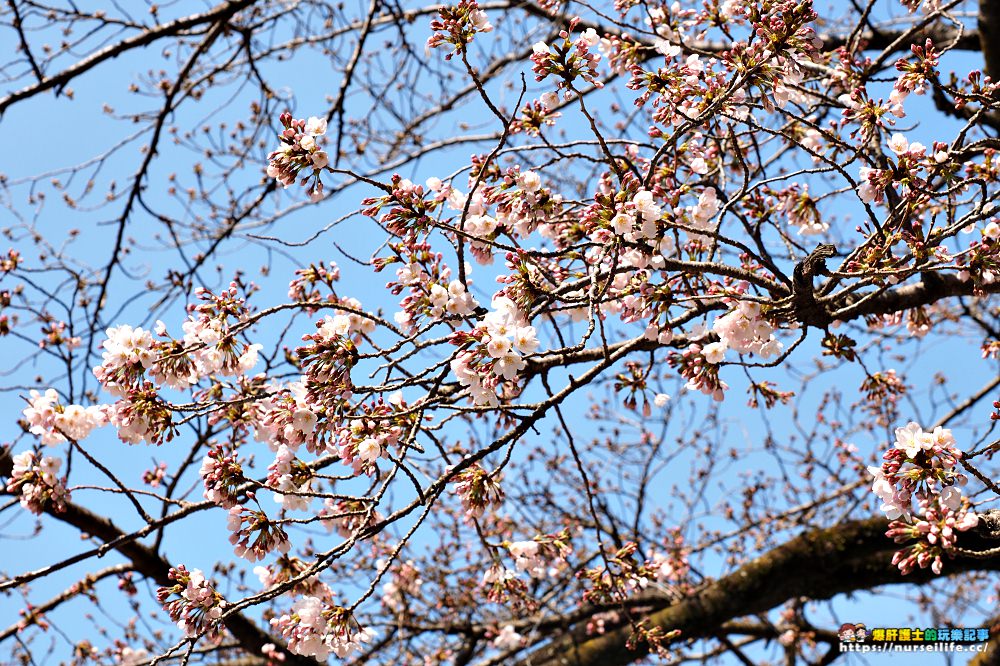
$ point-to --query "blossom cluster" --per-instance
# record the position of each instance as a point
(508, 638)
(193, 603)
(457, 26)
(300, 152)
(568, 59)
(291, 479)
(245, 524)
(135, 364)
(922, 465)
(477, 489)
(493, 351)
(287, 418)
(908, 175)
(431, 290)
(745, 330)
(405, 583)
(314, 628)
(373, 430)
(543, 556)
(53, 422)
(348, 516)
(34, 480)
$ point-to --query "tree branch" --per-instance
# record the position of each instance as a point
(989, 33)
(149, 563)
(118, 48)
(818, 564)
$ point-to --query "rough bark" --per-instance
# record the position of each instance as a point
(989, 34)
(818, 564)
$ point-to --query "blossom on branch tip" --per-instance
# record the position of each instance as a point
(922, 466)
(33, 479)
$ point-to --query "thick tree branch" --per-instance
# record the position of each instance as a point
(818, 564)
(151, 564)
(989, 33)
(910, 296)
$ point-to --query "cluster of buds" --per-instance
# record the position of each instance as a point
(701, 374)
(34, 480)
(291, 479)
(625, 575)
(477, 489)
(244, 524)
(376, 428)
(222, 474)
(55, 334)
(914, 75)
(410, 210)
(10, 262)
(883, 391)
(300, 152)
(286, 568)
(569, 59)
(537, 114)
(331, 354)
(405, 583)
(542, 556)
(432, 292)
(286, 417)
(154, 477)
(348, 516)
(142, 416)
(633, 384)
(942, 517)
(243, 409)
(503, 586)
(305, 286)
(616, 580)
(800, 209)
(314, 628)
(458, 26)
(193, 603)
(782, 28)
(52, 422)
(326, 364)
(671, 565)
(983, 261)
(922, 464)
